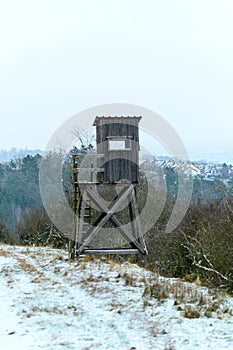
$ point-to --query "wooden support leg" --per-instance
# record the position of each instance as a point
(71, 250)
(139, 226)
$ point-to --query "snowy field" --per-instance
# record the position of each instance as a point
(49, 303)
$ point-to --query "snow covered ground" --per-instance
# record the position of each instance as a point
(46, 302)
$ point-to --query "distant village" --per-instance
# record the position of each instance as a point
(202, 169)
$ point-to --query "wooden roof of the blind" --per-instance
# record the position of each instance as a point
(130, 120)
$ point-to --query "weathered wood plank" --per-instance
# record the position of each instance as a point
(119, 164)
(111, 251)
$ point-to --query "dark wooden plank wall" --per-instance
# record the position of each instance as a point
(121, 164)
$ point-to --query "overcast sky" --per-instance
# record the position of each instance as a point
(59, 57)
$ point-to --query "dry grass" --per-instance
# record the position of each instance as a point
(130, 279)
(189, 298)
(40, 278)
(191, 312)
(192, 301)
(60, 257)
(4, 253)
(25, 265)
(51, 310)
(99, 289)
(155, 288)
(83, 266)
(90, 279)
(116, 307)
(87, 258)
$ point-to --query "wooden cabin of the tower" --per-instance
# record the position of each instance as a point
(106, 213)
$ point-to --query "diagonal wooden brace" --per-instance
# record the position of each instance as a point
(116, 222)
(108, 214)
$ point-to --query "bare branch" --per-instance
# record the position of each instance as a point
(85, 138)
(197, 264)
(211, 270)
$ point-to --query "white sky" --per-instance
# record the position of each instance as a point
(172, 56)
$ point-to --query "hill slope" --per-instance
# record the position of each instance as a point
(48, 302)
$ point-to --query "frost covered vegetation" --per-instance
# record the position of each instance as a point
(51, 303)
(201, 248)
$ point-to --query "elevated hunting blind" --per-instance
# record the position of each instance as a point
(104, 187)
(117, 139)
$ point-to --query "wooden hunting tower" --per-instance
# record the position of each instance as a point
(118, 139)
(104, 187)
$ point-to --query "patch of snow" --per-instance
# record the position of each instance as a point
(49, 303)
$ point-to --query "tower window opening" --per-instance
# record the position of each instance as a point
(119, 145)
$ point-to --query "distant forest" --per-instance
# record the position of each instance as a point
(201, 247)
(14, 153)
(19, 190)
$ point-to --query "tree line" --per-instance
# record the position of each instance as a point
(201, 247)
(23, 219)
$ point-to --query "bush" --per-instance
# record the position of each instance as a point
(4, 233)
(202, 246)
(35, 228)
